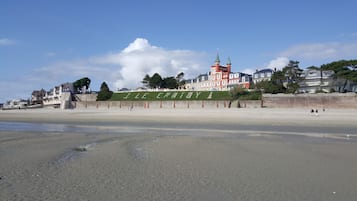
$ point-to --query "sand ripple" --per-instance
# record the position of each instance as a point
(175, 167)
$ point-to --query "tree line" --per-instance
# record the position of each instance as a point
(83, 84)
(156, 81)
(287, 80)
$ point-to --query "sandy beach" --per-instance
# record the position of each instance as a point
(200, 154)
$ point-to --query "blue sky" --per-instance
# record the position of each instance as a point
(46, 43)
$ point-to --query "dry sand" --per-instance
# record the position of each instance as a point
(223, 154)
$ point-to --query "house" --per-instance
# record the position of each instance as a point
(198, 83)
(37, 96)
(59, 95)
(262, 75)
(219, 78)
(315, 80)
(15, 104)
(238, 79)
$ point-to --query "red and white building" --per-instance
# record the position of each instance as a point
(219, 78)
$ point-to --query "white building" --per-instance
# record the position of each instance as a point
(262, 75)
(316, 80)
(58, 96)
(15, 104)
(219, 78)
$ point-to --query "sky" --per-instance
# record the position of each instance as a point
(44, 43)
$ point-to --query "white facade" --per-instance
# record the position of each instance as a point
(262, 75)
(215, 81)
(316, 80)
(55, 96)
(219, 78)
(15, 104)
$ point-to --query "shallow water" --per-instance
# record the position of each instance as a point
(179, 129)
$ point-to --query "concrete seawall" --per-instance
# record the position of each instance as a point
(151, 104)
(334, 100)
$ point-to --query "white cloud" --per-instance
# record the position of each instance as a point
(141, 58)
(6, 41)
(248, 71)
(125, 68)
(321, 52)
(278, 63)
(140, 44)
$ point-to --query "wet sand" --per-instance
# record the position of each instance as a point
(179, 155)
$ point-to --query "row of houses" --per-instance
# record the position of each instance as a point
(59, 96)
(53, 97)
(222, 78)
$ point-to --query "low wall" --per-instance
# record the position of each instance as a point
(247, 104)
(331, 100)
(85, 97)
(150, 104)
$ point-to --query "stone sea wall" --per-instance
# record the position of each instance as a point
(150, 104)
(331, 100)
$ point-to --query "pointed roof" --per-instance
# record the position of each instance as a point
(229, 61)
(217, 59)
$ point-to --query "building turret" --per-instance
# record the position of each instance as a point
(217, 63)
(229, 63)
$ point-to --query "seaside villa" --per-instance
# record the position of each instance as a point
(316, 80)
(262, 75)
(219, 78)
(59, 95)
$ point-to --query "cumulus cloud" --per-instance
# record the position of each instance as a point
(143, 58)
(6, 41)
(278, 63)
(127, 67)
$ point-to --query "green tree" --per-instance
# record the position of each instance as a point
(345, 71)
(179, 79)
(278, 78)
(146, 81)
(239, 93)
(104, 93)
(169, 83)
(79, 84)
(156, 81)
(270, 87)
(292, 76)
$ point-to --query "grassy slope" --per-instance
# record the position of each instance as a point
(171, 95)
